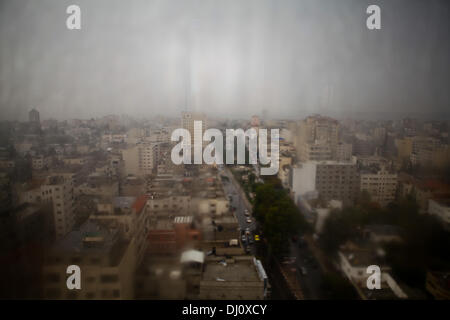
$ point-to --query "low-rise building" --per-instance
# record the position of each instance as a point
(238, 278)
(354, 261)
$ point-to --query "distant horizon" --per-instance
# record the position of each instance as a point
(362, 115)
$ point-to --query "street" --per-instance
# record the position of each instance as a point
(310, 283)
(237, 201)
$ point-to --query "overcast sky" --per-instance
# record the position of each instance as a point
(227, 57)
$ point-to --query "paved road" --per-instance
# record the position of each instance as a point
(238, 202)
(312, 280)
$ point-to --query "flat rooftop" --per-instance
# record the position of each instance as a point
(241, 271)
(101, 239)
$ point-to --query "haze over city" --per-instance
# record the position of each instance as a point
(243, 151)
(228, 58)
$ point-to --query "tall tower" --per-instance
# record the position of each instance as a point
(187, 122)
(33, 116)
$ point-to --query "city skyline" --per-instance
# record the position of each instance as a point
(243, 151)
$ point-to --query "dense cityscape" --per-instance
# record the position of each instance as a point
(219, 159)
(104, 195)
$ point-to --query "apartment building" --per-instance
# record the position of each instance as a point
(107, 263)
(344, 151)
(74, 161)
(40, 162)
(187, 122)
(148, 157)
(317, 139)
(213, 205)
(404, 148)
(140, 159)
(380, 184)
(169, 202)
(423, 150)
(337, 181)
(329, 180)
(168, 235)
(111, 138)
(129, 215)
(59, 190)
(33, 116)
(363, 145)
(316, 151)
(423, 190)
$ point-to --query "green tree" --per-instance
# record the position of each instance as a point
(278, 215)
